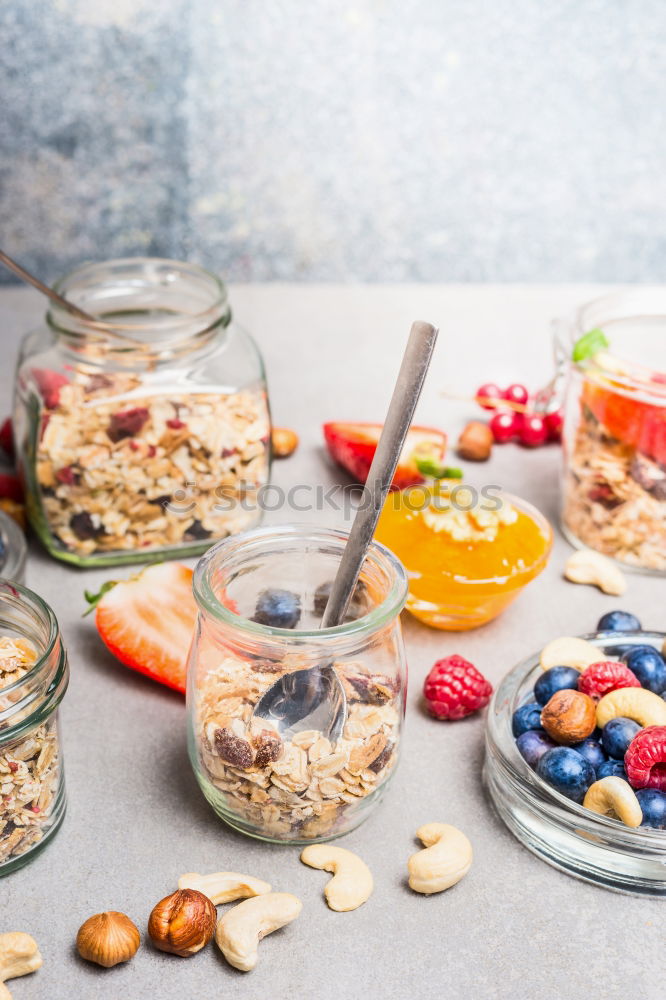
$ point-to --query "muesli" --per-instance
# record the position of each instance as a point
(300, 788)
(120, 470)
(29, 766)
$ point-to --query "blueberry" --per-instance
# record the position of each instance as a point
(567, 771)
(278, 608)
(653, 804)
(555, 679)
(592, 752)
(611, 769)
(618, 621)
(617, 735)
(533, 744)
(525, 718)
(649, 667)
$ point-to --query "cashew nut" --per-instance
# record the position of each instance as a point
(643, 706)
(19, 955)
(570, 651)
(351, 884)
(614, 797)
(242, 927)
(447, 857)
(223, 887)
(586, 566)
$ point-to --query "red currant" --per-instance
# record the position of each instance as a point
(554, 423)
(488, 391)
(533, 431)
(504, 426)
(516, 393)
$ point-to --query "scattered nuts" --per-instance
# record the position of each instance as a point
(108, 939)
(476, 442)
(182, 923)
(351, 885)
(614, 797)
(224, 887)
(569, 716)
(446, 859)
(284, 442)
(19, 955)
(586, 566)
(643, 706)
(570, 651)
(242, 927)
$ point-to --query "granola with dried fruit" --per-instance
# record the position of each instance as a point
(615, 497)
(29, 766)
(304, 787)
(119, 469)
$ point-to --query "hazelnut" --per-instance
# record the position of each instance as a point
(569, 716)
(476, 442)
(284, 442)
(182, 923)
(108, 939)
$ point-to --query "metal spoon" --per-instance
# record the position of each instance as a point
(314, 698)
(44, 289)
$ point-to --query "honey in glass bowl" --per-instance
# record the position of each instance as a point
(467, 555)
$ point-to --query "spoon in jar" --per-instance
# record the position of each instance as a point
(60, 300)
(314, 698)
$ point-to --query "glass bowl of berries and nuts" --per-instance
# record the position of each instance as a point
(576, 755)
(260, 597)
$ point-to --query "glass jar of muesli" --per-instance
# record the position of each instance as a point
(144, 433)
(614, 485)
(33, 679)
(261, 597)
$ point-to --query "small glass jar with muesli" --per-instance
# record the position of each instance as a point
(144, 432)
(33, 679)
(614, 485)
(261, 597)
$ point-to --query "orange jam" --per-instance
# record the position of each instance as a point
(465, 563)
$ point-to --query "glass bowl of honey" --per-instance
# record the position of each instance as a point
(468, 553)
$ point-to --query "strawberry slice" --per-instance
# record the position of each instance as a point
(147, 622)
(353, 446)
(631, 421)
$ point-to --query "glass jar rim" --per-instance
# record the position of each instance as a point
(16, 548)
(385, 612)
(200, 322)
(501, 743)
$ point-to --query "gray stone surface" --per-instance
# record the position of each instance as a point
(514, 928)
(377, 140)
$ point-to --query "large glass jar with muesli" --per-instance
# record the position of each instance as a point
(33, 679)
(143, 432)
(614, 488)
(317, 771)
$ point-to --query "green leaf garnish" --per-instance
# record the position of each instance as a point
(94, 599)
(431, 467)
(590, 344)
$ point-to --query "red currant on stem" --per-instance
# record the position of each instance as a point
(489, 391)
(504, 426)
(533, 430)
(554, 423)
(516, 393)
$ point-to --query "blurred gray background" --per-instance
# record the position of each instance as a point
(338, 140)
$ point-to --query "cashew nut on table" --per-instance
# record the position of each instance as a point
(586, 566)
(19, 955)
(242, 927)
(224, 887)
(446, 858)
(351, 884)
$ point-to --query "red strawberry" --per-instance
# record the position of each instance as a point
(454, 688)
(49, 384)
(353, 446)
(10, 488)
(632, 421)
(7, 438)
(147, 621)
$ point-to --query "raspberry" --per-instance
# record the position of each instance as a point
(127, 423)
(645, 759)
(454, 688)
(49, 384)
(600, 678)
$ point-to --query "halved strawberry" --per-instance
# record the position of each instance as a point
(147, 622)
(632, 421)
(353, 446)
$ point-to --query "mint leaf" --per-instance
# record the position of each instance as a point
(590, 344)
(430, 467)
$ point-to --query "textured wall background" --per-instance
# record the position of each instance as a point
(499, 140)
